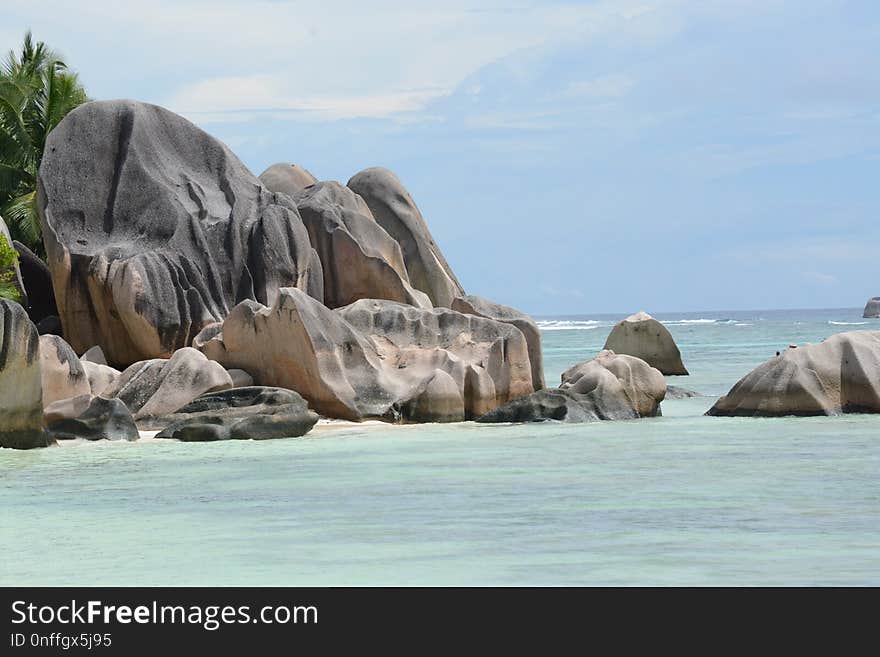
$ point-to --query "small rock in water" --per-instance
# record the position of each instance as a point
(91, 418)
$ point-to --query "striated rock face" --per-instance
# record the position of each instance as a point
(375, 358)
(642, 336)
(91, 418)
(63, 375)
(395, 210)
(161, 386)
(154, 230)
(838, 375)
(474, 305)
(21, 392)
(359, 259)
(252, 413)
(37, 283)
(609, 387)
(285, 178)
(872, 308)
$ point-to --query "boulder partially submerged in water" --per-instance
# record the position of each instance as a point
(252, 413)
(872, 308)
(608, 387)
(154, 229)
(21, 390)
(642, 336)
(375, 358)
(841, 374)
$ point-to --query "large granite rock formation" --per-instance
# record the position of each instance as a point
(872, 308)
(101, 377)
(375, 359)
(90, 418)
(642, 336)
(474, 305)
(159, 386)
(608, 387)
(62, 372)
(395, 210)
(154, 230)
(37, 283)
(21, 392)
(359, 259)
(841, 374)
(253, 413)
(285, 178)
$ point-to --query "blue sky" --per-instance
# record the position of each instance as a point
(575, 157)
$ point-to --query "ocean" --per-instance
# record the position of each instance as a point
(681, 499)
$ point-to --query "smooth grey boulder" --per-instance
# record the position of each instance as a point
(37, 283)
(474, 305)
(159, 386)
(375, 358)
(62, 372)
(154, 230)
(90, 418)
(101, 377)
(253, 413)
(94, 355)
(359, 259)
(677, 392)
(19, 283)
(841, 374)
(21, 390)
(872, 308)
(395, 210)
(286, 178)
(608, 387)
(642, 336)
(240, 378)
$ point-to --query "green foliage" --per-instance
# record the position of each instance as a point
(36, 91)
(8, 260)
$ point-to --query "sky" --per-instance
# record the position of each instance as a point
(569, 157)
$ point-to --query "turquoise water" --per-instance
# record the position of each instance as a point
(682, 499)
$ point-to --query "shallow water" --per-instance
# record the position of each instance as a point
(682, 499)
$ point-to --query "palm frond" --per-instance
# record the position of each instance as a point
(23, 219)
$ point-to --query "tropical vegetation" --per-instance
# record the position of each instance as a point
(37, 90)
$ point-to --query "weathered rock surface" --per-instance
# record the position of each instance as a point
(101, 377)
(240, 378)
(21, 391)
(872, 308)
(474, 305)
(394, 210)
(285, 178)
(63, 375)
(677, 392)
(359, 259)
(253, 413)
(154, 230)
(159, 386)
(19, 283)
(375, 358)
(642, 336)
(609, 387)
(90, 418)
(38, 284)
(841, 374)
(94, 355)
